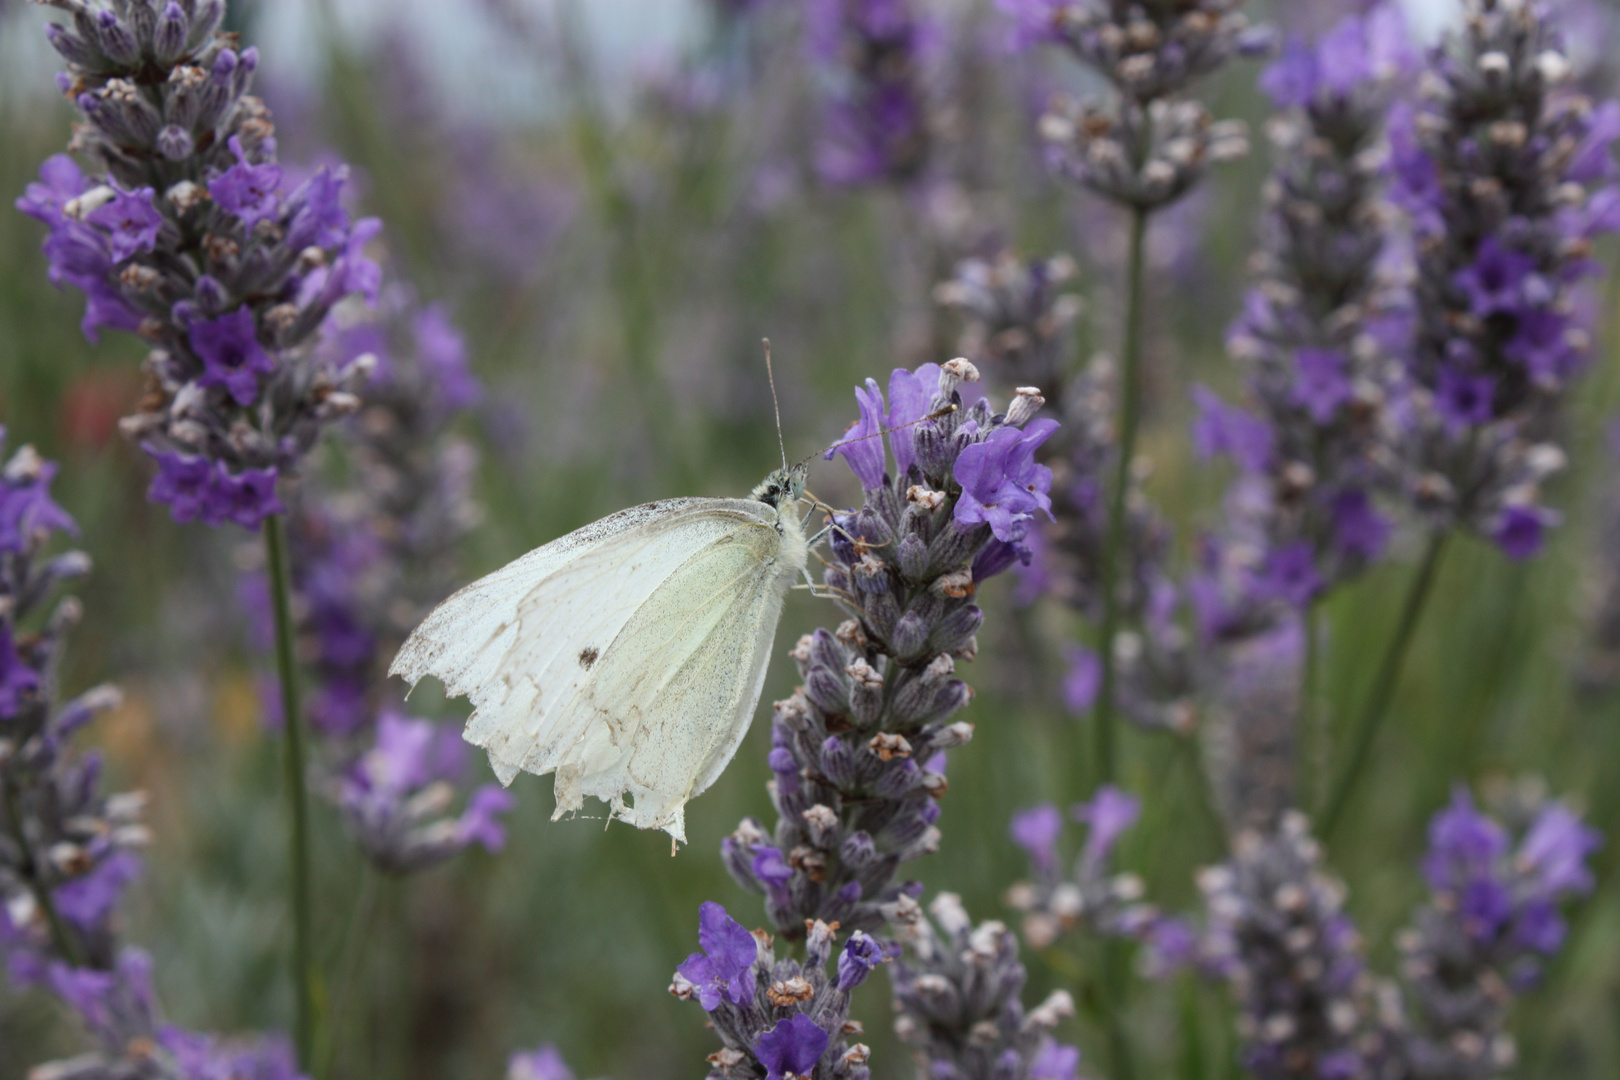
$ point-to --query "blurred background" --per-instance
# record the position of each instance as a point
(615, 200)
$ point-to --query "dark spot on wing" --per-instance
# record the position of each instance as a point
(587, 657)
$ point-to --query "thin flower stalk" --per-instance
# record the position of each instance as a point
(1143, 148)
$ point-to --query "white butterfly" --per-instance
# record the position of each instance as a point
(628, 656)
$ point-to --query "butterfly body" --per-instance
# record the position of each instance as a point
(628, 656)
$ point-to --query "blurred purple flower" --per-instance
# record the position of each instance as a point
(543, 1063)
(442, 353)
(1321, 382)
(1083, 680)
(1109, 814)
(251, 192)
(1055, 1061)
(1521, 530)
(1226, 429)
(1036, 830)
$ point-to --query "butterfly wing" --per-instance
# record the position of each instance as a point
(568, 653)
(677, 689)
(465, 639)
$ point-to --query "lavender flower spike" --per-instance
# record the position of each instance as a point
(1487, 931)
(183, 232)
(776, 1018)
(67, 848)
(1505, 226)
(857, 751)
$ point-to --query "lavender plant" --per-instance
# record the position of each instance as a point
(182, 233)
(1142, 148)
(67, 848)
(1507, 176)
(1091, 894)
(1323, 445)
(858, 749)
(1275, 930)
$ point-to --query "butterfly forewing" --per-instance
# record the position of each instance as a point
(677, 689)
(627, 656)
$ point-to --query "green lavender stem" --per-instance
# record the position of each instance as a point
(1389, 672)
(1130, 409)
(303, 966)
(1308, 755)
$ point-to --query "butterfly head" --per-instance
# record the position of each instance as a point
(782, 485)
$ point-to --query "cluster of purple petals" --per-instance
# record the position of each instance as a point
(875, 119)
(1508, 176)
(957, 996)
(785, 1019)
(1492, 922)
(1090, 894)
(394, 797)
(185, 232)
(67, 848)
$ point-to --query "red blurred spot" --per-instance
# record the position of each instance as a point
(94, 402)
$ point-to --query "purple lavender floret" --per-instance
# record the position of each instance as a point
(184, 232)
(792, 1048)
(722, 969)
(1507, 175)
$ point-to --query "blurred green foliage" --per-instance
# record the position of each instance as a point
(631, 354)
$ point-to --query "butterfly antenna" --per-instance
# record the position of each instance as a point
(775, 404)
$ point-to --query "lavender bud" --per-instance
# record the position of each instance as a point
(837, 762)
(956, 628)
(115, 39)
(909, 636)
(912, 556)
(170, 33)
(827, 691)
(174, 142)
(954, 373)
(858, 850)
(1025, 405)
(901, 777)
(865, 694)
